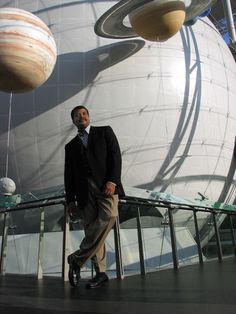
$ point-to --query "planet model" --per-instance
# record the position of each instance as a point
(27, 51)
(156, 20)
(7, 186)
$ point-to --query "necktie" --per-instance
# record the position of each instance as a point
(84, 138)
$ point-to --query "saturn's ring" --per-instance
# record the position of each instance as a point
(111, 23)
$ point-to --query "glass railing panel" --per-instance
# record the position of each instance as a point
(52, 241)
(157, 243)
(129, 239)
(157, 246)
(1, 229)
(155, 238)
(187, 251)
(23, 242)
(233, 218)
(52, 254)
(207, 234)
(225, 233)
(129, 245)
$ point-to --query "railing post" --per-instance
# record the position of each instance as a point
(40, 248)
(173, 238)
(118, 254)
(232, 233)
(217, 234)
(198, 240)
(140, 243)
(65, 245)
(4, 243)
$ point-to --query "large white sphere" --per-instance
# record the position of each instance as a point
(7, 186)
(172, 105)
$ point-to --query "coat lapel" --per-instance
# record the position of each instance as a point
(77, 144)
(90, 137)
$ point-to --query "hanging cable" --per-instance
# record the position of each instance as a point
(8, 134)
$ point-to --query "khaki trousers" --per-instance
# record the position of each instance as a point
(99, 216)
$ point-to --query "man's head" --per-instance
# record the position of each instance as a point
(80, 117)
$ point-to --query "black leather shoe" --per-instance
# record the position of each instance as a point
(74, 271)
(97, 281)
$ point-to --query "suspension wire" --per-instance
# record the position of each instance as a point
(8, 133)
(7, 166)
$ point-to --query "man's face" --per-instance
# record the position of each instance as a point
(81, 118)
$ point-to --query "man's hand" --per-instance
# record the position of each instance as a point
(109, 188)
(71, 209)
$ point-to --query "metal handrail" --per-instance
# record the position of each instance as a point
(137, 201)
(127, 200)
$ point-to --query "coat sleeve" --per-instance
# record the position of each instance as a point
(68, 179)
(114, 157)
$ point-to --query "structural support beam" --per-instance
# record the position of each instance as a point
(118, 254)
(217, 235)
(140, 243)
(66, 244)
(229, 20)
(197, 237)
(4, 243)
(173, 239)
(232, 233)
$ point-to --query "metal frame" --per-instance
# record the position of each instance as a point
(140, 243)
(4, 243)
(197, 237)
(138, 202)
(232, 233)
(217, 234)
(65, 245)
(119, 263)
(173, 238)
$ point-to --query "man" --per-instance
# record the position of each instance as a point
(93, 182)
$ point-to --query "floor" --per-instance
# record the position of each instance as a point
(210, 288)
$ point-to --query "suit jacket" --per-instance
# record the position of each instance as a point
(103, 158)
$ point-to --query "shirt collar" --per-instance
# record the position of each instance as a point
(87, 129)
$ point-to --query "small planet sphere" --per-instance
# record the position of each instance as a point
(27, 51)
(7, 186)
(158, 20)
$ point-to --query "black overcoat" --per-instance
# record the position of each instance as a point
(103, 158)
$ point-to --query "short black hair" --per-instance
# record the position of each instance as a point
(77, 108)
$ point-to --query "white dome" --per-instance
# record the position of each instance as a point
(172, 105)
